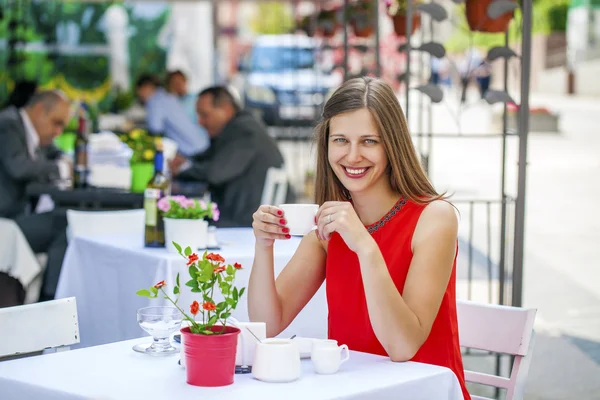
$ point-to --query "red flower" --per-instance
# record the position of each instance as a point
(219, 269)
(192, 258)
(159, 285)
(237, 266)
(215, 257)
(209, 306)
(194, 307)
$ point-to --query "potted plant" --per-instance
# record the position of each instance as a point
(327, 22)
(360, 15)
(142, 159)
(209, 344)
(185, 221)
(478, 20)
(397, 10)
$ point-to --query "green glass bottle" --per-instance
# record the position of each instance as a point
(158, 187)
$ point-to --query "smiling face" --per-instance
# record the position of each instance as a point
(356, 153)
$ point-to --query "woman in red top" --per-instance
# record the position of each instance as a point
(386, 241)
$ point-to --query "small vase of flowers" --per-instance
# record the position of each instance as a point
(186, 221)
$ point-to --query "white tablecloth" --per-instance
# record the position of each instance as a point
(115, 372)
(104, 272)
(17, 259)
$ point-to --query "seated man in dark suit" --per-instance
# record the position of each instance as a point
(26, 156)
(236, 164)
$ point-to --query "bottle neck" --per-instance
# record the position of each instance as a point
(158, 161)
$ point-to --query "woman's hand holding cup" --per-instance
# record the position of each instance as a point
(269, 223)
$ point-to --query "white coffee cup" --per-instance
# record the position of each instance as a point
(276, 360)
(300, 217)
(326, 356)
(251, 333)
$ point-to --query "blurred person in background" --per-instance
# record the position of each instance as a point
(165, 115)
(236, 165)
(26, 137)
(177, 85)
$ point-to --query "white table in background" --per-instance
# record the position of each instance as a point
(104, 272)
(116, 372)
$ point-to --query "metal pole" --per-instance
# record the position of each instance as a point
(517, 288)
(501, 264)
(377, 59)
(345, 43)
(408, 33)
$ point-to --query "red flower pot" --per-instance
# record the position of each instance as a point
(479, 21)
(400, 23)
(210, 359)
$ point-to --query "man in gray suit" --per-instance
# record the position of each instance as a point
(235, 165)
(26, 156)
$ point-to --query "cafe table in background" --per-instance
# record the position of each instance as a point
(114, 371)
(104, 272)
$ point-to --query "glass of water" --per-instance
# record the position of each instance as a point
(160, 323)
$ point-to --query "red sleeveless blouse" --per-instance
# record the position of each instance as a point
(348, 318)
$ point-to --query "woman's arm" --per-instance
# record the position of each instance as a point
(278, 302)
(402, 322)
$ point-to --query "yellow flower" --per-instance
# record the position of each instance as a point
(148, 154)
(136, 133)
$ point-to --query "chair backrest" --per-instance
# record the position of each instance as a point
(500, 329)
(38, 326)
(276, 185)
(105, 222)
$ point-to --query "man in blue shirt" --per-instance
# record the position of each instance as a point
(176, 84)
(165, 114)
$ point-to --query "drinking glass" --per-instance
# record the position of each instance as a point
(160, 323)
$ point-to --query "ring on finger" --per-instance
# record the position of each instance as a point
(329, 219)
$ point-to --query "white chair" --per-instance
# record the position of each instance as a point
(500, 329)
(35, 327)
(105, 222)
(276, 185)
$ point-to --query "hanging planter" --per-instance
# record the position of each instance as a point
(400, 23)
(396, 9)
(327, 23)
(360, 16)
(479, 21)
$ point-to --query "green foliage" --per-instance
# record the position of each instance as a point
(205, 273)
(463, 37)
(557, 17)
(142, 144)
(272, 18)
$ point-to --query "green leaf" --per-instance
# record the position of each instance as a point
(226, 315)
(196, 290)
(154, 290)
(191, 283)
(221, 306)
(178, 247)
(206, 272)
(235, 294)
(143, 292)
(188, 251)
(212, 320)
(176, 290)
(230, 270)
(242, 290)
(230, 301)
(229, 278)
(177, 280)
(193, 272)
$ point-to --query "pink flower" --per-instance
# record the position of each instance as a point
(190, 203)
(215, 212)
(202, 204)
(163, 204)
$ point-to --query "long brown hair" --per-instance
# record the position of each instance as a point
(406, 174)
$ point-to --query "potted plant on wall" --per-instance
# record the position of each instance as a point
(397, 10)
(327, 22)
(479, 21)
(142, 159)
(209, 344)
(361, 15)
(186, 221)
